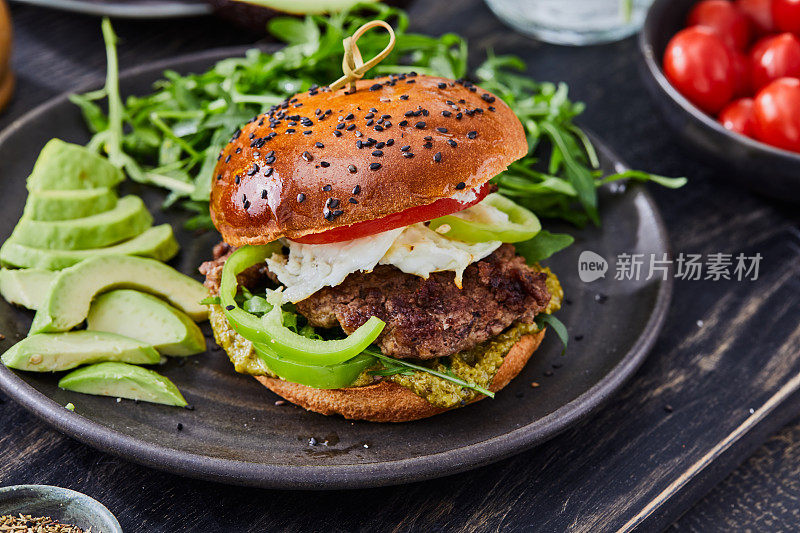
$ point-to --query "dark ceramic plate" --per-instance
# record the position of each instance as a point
(237, 434)
(752, 164)
(128, 8)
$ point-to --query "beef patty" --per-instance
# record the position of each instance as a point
(425, 318)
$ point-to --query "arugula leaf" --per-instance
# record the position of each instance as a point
(392, 366)
(543, 320)
(543, 245)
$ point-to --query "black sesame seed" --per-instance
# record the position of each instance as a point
(290, 130)
(353, 201)
(340, 125)
(307, 132)
(269, 160)
(491, 108)
(268, 172)
(333, 202)
(420, 125)
(369, 115)
(230, 307)
(405, 148)
(357, 188)
(264, 194)
(446, 113)
(380, 145)
(452, 143)
(349, 116)
(441, 130)
(319, 145)
(307, 156)
(374, 166)
(408, 155)
(411, 81)
(351, 127)
(428, 145)
(370, 122)
(442, 85)
(300, 198)
(337, 213)
(337, 133)
(403, 123)
(326, 188)
(352, 169)
(428, 138)
(389, 142)
(488, 98)
(437, 156)
(246, 205)
(460, 185)
(458, 116)
(378, 127)
(472, 134)
(373, 110)
(237, 179)
(324, 164)
(219, 177)
(228, 159)
(253, 169)
(375, 87)
(371, 141)
(377, 153)
(403, 97)
(359, 144)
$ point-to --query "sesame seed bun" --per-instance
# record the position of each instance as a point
(386, 401)
(298, 169)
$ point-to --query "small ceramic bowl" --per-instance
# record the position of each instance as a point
(758, 166)
(64, 505)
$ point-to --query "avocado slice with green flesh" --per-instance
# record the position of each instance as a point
(53, 352)
(66, 205)
(157, 242)
(122, 380)
(73, 290)
(62, 165)
(26, 287)
(306, 7)
(128, 219)
(149, 319)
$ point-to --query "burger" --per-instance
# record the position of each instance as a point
(368, 266)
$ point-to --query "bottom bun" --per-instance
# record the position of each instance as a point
(386, 401)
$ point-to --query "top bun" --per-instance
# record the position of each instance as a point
(325, 159)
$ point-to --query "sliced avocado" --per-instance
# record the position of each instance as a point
(128, 219)
(52, 352)
(307, 7)
(73, 290)
(26, 287)
(122, 380)
(157, 242)
(66, 205)
(62, 165)
(149, 319)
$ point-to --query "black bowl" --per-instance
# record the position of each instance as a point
(758, 166)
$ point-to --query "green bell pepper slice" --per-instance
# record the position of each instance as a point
(269, 329)
(317, 376)
(521, 226)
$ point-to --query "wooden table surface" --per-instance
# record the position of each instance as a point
(56, 51)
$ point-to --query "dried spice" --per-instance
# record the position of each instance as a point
(25, 523)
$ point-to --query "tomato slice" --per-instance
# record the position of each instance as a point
(439, 208)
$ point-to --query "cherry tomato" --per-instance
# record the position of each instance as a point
(774, 57)
(724, 18)
(777, 113)
(700, 66)
(759, 12)
(439, 208)
(741, 74)
(786, 14)
(738, 116)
